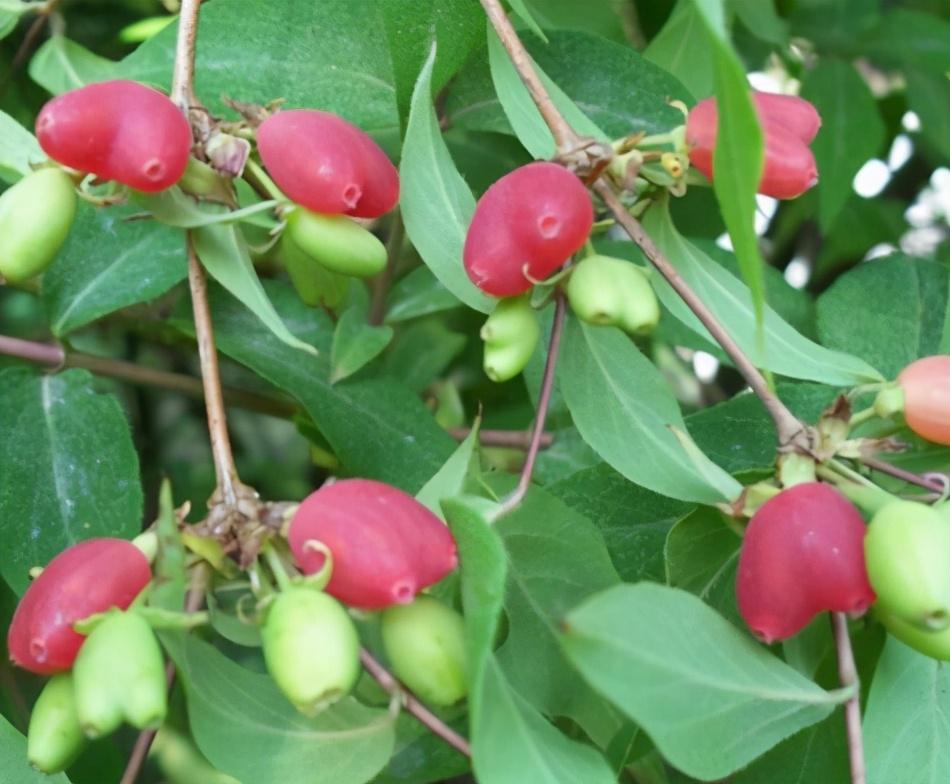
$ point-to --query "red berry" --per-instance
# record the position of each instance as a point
(87, 578)
(326, 164)
(926, 385)
(803, 554)
(386, 545)
(788, 123)
(534, 217)
(118, 130)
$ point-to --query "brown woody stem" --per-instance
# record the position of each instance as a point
(848, 674)
(412, 705)
(915, 479)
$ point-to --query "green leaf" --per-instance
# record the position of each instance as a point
(423, 352)
(68, 469)
(908, 37)
(174, 207)
(355, 344)
(624, 409)
(335, 58)
(436, 203)
(248, 729)
(420, 757)
(861, 224)
(18, 148)
(376, 426)
(223, 252)
(633, 520)
(520, 7)
(16, 769)
(710, 698)
(905, 722)
(818, 753)
(525, 119)
(928, 96)
(60, 65)
(593, 73)
(851, 132)
(449, 481)
(702, 553)
(781, 350)
(889, 312)
(420, 293)
(109, 263)
(168, 591)
(761, 19)
(411, 27)
(835, 26)
(739, 154)
(684, 49)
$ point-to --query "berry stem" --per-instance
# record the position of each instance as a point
(383, 283)
(412, 705)
(848, 674)
(259, 179)
(884, 467)
(544, 402)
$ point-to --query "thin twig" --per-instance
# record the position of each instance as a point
(848, 674)
(412, 705)
(26, 46)
(193, 601)
(517, 439)
(393, 246)
(183, 74)
(224, 466)
(884, 467)
(544, 402)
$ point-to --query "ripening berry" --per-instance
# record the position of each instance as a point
(908, 554)
(511, 334)
(803, 554)
(54, 738)
(87, 578)
(311, 648)
(926, 387)
(118, 130)
(531, 220)
(788, 123)
(120, 676)
(326, 164)
(425, 643)
(386, 546)
(36, 215)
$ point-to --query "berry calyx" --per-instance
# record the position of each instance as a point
(118, 130)
(327, 164)
(788, 124)
(926, 387)
(120, 676)
(803, 553)
(907, 550)
(425, 643)
(525, 226)
(511, 334)
(337, 243)
(311, 648)
(36, 215)
(87, 578)
(386, 546)
(613, 292)
(55, 737)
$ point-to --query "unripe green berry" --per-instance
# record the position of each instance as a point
(511, 334)
(315, 284)
(35, 217)
(612, 292)
(425, 643)
(907, 549)
(55, 737)
(337, 242)
(935, 644)
(311, 648)
(120, 676)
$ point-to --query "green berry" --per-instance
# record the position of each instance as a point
(425, 643)
(315, 284)
(311, 648)
(35, 217)
(511, 334)
(612, 292)
(907, 549)
(120, 676)
(935, 644)
(337, 242)
(55, 737)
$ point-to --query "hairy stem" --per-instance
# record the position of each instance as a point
(412, 705)
(848, 674)
(544, 402)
